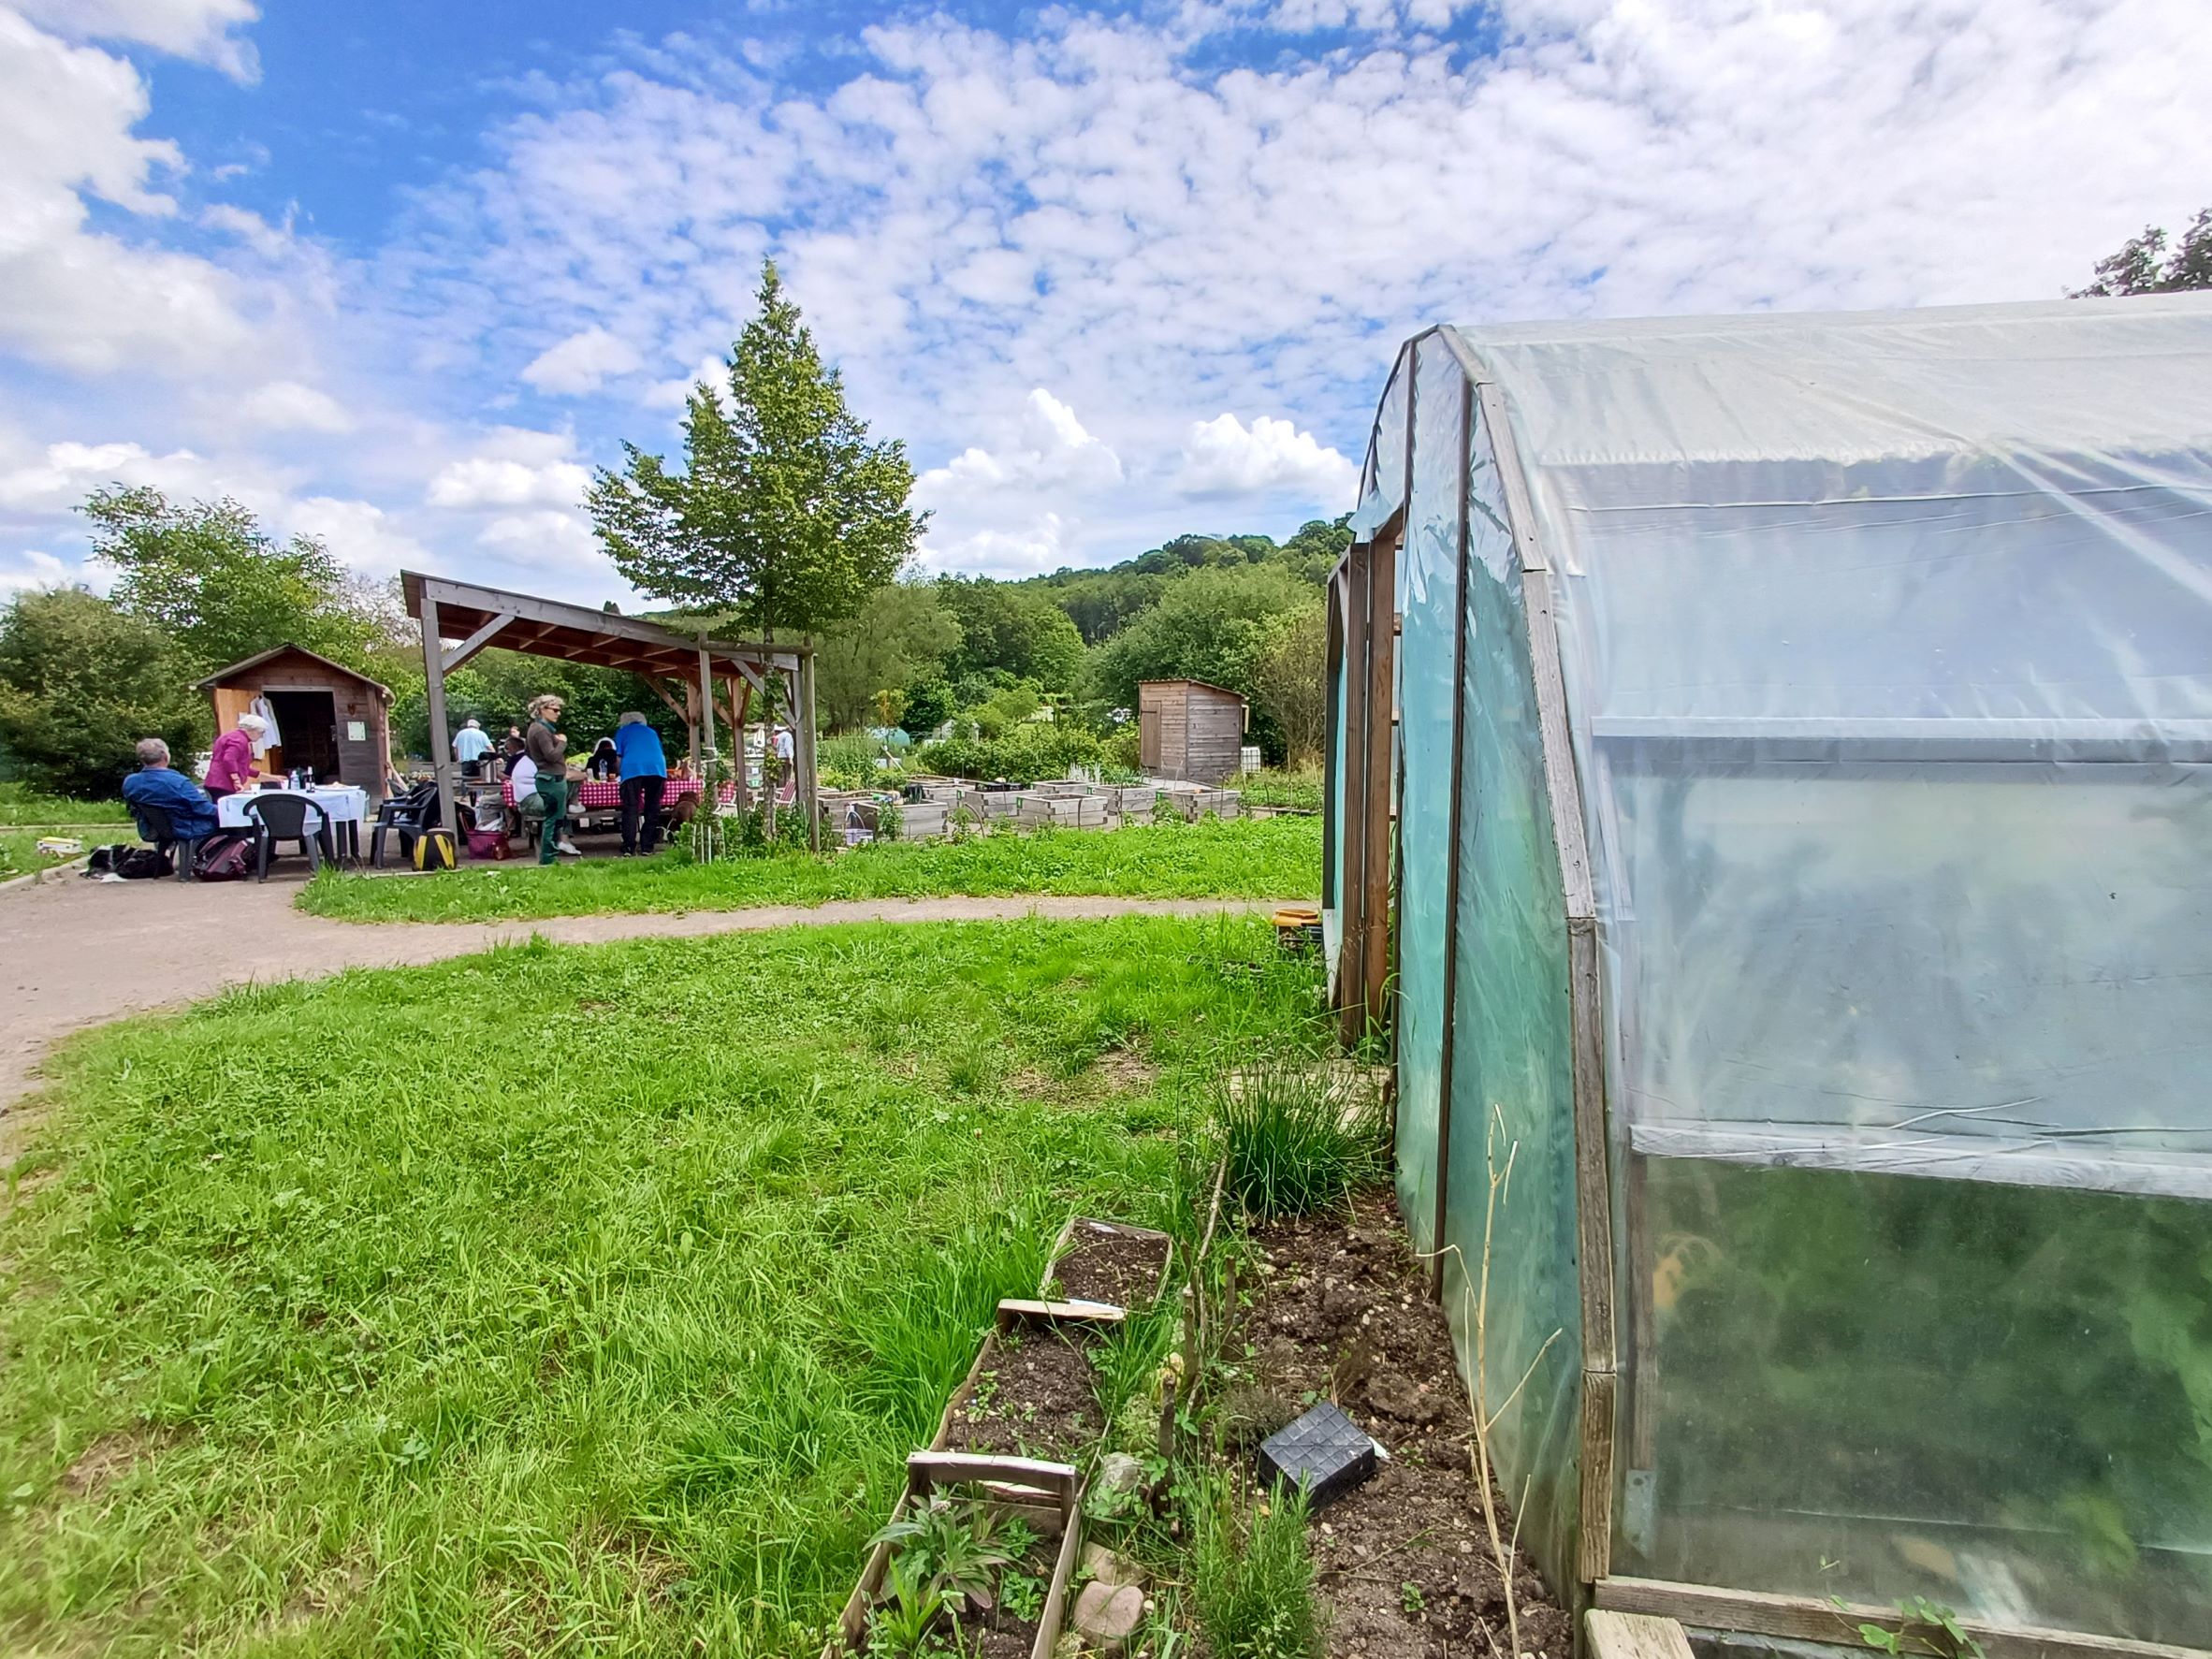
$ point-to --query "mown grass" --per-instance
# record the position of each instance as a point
(24, 806)
(1264, 858)
(1274, 786)
(562, 1299)
(20, 854)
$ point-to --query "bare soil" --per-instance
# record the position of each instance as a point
(1342, 1312)
(1039, 1398)
(1111, 1264)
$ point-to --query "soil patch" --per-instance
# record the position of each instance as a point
(1344, 1312)
(1111, 1264)
(1039, 1398)
(110, 1456)
(1125, 1073)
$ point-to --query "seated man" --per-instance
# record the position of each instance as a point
(191, 815)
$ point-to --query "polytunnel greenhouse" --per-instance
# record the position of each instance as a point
(1771, 814)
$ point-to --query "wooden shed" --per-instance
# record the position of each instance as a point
(324, 715)
(1189, 730)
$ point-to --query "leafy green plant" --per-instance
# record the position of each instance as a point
(1924, 1627)
(904, 1622)
(1022, 1594)
(1292, 1142)
(1411, 1599)
(1251, 1574)
(958, 1547)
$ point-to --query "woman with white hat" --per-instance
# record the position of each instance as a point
(231, 767)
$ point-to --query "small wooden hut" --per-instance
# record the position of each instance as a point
(1189, 730)
(323, 715)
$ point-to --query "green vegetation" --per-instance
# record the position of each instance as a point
(20, 854)
(1043, 749)
(1273, 786)
(566, 1298)
(22, 806)
(1263, 858)
(81, 682)
(1293, 1141)
(1252, 1577)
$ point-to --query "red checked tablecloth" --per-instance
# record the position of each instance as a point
(610, 794)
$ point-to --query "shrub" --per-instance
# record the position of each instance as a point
(1291, 1142)
(1035, 749)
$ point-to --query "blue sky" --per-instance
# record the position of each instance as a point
(398, 275)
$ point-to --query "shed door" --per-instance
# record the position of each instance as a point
(1149, 739)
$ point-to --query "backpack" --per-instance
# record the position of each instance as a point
(434, 850)
(225, 856)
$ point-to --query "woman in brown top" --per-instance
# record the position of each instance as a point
(548, 750)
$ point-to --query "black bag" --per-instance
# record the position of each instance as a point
(225, 856)
(131, 862)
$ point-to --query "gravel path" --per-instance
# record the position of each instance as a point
(74, 954)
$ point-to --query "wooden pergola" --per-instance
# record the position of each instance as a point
(696, 676)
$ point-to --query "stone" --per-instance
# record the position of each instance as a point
(1104, 1566)
(1118, 1472)
(1107, 1615)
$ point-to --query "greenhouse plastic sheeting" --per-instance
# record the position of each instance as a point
(1384, 488)
(1512, 1095)
(1888, 663)
(1427, 601)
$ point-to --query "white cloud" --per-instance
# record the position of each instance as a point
(33, 569)
(582, 363)
(1033, 549)
(361, 533)
(202, 30)
(1223, 457)
(66, 472)
(545, 540)
(285, 405)
(70, 296)
(1047, 447)
(513, 468)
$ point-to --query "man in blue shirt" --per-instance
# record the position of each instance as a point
(644, 776)
(191, 815)
(470, 746)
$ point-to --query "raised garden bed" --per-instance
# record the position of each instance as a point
(1106, 1262)
(1339, 1311)
(1021, 1522)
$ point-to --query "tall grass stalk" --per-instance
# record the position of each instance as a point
(1251, 1572)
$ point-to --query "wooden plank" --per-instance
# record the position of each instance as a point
(1598, 1396)
(1634, 1636)
(1803, 1618)
(1352, 902)
(1447, 1050)
(476, 641)
(1087, 1313)
(1381, 782)
(809, 776)
(926, 1469)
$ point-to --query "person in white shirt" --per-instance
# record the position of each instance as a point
(470, 747)
(783, 763)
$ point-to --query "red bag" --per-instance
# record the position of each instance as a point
(223, 856)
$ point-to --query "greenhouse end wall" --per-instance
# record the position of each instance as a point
(1892, 739)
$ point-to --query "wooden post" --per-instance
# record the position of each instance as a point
(809, 786)
(738, 719)
(433, 662)
(1352, 897)
(1447, 1057)
(709, 792)
(1379, 738)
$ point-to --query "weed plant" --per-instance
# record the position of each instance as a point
(20, 805)
(1292, 1142)
(1251, 1574)
(560, 1299)
(1264, 858)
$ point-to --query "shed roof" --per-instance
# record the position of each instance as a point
(1202, 684)
(578, 634)
(260, 657)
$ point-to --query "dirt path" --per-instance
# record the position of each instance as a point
(74, 954)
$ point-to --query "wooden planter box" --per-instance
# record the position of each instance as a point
(1048, 1496)
(1065, 1242)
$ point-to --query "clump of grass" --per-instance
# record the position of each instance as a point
(1293, 1141)
(1251, 1574)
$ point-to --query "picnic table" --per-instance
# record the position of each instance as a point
(607, 794)
(343, 808)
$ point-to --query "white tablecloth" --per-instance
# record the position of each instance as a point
(339, 803)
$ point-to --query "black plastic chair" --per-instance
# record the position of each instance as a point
(406, 816)
(155, 825)
(284, 817)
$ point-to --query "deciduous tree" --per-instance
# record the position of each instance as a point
(785, 516)
(81, 682)
(2143, 265)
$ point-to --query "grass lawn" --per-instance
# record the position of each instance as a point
(20, 854)
(562, 1300)
(1274, 787)
(22, 806)
(1243, 858)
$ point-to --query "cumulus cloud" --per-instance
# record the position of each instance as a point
(1224, 456)
(1047, 447)
(34, 568)
(360, 532)
(70, 296)
(202, 30)
(286, 406)
(583, 362)
(545, 540)
(66, 472)
(513, 468)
